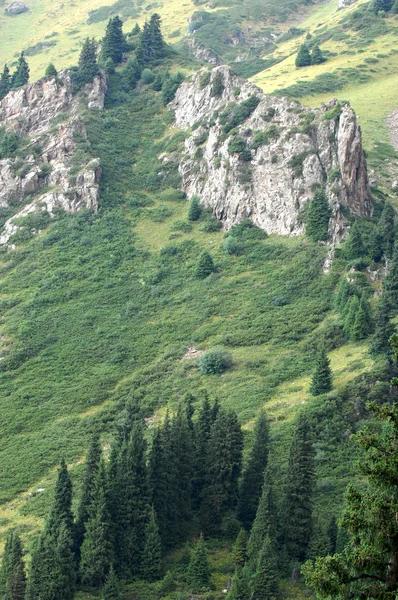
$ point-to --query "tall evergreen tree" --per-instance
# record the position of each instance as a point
(384, 329)
(322, 378)
(303, 58)
(20, 76)
(12, 574)
(114, 42)
(317, 57)
(345, 291)
(202, 437)
(332, 534)
(205, 265)
(111, 589)
(151, 45)
(51, 71)
(265, 581)
(92, 463)
(317, 217)
(152, 557)
(194, 210)
(61, 509)
(350, 313)
(88, 66)
(387, 229)
(362, 325)
(96, 551)
(199, 575)
(265, 524)
(240, 587)
(390, 283)
(131, 73)
(253, 475)
(183, 452)
(319, 542)
(239, 551)
(5, 82)
(299, 491)
(64, 575)
(223, 463)
(354, 246)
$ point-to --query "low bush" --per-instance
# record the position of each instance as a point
(215, 361)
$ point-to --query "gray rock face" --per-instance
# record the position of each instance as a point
(16, 8)
(308, 149)
(345, 3)
(46, 116)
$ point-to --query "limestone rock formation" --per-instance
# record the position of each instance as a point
(299, 149)
(345, 3)
(16, 8)
(53, 169)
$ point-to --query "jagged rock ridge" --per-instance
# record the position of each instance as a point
(52, 174)
(307, 149)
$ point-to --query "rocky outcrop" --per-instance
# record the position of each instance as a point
(299, 150)
(16, 8)
(53, 168)
(345, 3)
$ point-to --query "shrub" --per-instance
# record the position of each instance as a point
(211, 225)
(204, 80)
(237, 145)
(217, 87)
(195, 209)
(215, 361)
(205, 266)
(237, 113)
(262, 138)
(232, 246)
(147, 76)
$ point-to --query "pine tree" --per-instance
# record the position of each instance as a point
(12, 575)
(317, 217)
(387, 228)
(240, 587)
(265, 522)
(5, 82)
(152, 558)
(92, 463)
(151, 45)
(205, 265)
(317, 57)
(265, 581)
(61, 510)
(239, 551)
(303, 58)
(51, 71)
(253, 475)
(111, 589)
(299, 491)
(20, 76)
(322, 378)
(114, 42)
(96, 550)
(88, 66)
(354, 246)
(183, 452)
(384, 329)
(199, 575)
(202, 436)
(375, 245)
(195, 210)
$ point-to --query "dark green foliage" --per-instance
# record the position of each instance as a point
(265, 584)
(217, 84)
(64, 575)
(12, 574)
(265, 524)
(9, 143)
(51, 71)
(386, 226)
(20, 76)
(303, 58)
(199, 575)
(147, 76)
(167, 584)
(319, 543)
(317, 217)
(253, 475)
(381, 5)
(390, 283)
(87, 66)
(205, 265)
(96, 550)
(111, 589)
(131, 73)
(322, 378)
(204, 79)
(114, 42)
(151, 45)
(384, 329)
(236, 114)
(299, 491)
(345, 291)
(109, 67)
(170, 85)
(332, 533)
(354, 246)
(240, 587)
(262, 138)
(223, 464)
(215, 361)
(151, 567)
(202, 429)
(237, 145)
(194, 210)
(5, 82)
(239, 551)
(362, 324)
(61, 510)
(317, 57)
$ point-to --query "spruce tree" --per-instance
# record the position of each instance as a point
(239, 550)
(96, 550)
(199, 575)
(253, 475)
(111, 589)
(183, 452)
(205, 265)
(344, 293)
(322, 378)
(12, 574)
(88, 66)
(64, 575)
(362, 324)
(390, 283)
(384, 329)
(317, 217)
(303, 58)
(61, 510)
(375, 245)
(131, 73)
(194, 210)
(332, 533)
(5, 82)
(265, 522)
(151, 568)
(299, 491)
(319, 542)
(157, 42)
(387, 229)
(20, 76)
(350, 313)
(354, 246)
(51, 71)
(114, 42)
(317, 57)
(240, 587)
(202, 436)
(265, 581)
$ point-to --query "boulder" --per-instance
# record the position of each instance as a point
(16, 8)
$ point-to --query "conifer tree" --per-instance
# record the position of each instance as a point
(64, 575)
(12, 574)
(5, 82)
(114, 41)
(20, 76)
(384, 329)
(317, 57)
(265, 581)
(183, 453)
(354, 246)
(387, 229)
(152, 558)
(199, 575)
(202, 435)
(131, 73)
(91, 468)
(240, 587)
(265, 522)
(350, 313)
(111, 589)
(239, 551)
(88, 66)
(194, 209)
(151, 45)
(332, 533)
(299, 491)
(375, 245)
(362, 325)
(51, 71)
(319, 542)
(205, 265)
(390, 283)
(344, 293)
(317, 217)
(322, 378)
(303, 58)
(253, 475)
(96, 550)
(61, 509)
